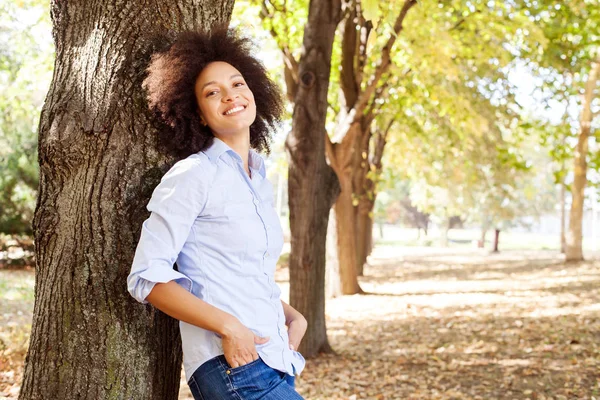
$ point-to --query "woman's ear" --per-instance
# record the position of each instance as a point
(202, 120)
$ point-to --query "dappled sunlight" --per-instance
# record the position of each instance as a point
(463, 325)
(452, 325)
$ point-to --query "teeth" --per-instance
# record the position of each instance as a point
(236, 109)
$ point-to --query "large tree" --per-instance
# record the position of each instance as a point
(312, 185)
(304, 32)
(98, 167)
(569, 64)
(382, 51)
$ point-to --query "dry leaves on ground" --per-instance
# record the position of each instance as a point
(434, 325)
(464, 326)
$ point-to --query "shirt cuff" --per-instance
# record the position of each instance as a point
(145, 281)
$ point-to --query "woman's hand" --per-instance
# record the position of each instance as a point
(296, 330)
(239, 345)
(296, 324)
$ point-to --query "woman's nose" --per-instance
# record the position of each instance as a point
(229, 96)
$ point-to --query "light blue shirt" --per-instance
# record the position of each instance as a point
(222, 229)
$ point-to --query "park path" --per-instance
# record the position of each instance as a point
(462, 324)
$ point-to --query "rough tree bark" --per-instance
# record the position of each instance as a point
(98, 167)
(366, 185)
(574, 250)
(345, 218)
(312, 185)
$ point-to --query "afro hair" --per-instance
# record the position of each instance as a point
(172, 74)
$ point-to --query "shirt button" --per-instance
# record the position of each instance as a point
(267, 254)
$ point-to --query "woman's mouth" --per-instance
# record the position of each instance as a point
(234, 110)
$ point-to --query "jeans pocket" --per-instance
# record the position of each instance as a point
(195, 389)
(236, 370)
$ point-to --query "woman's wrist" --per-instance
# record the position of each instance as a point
(229, 326)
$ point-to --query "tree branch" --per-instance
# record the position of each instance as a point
(330, 152)
(348, 85)
(380, 143)
(384, 64)
(463, 19)
(374, 107)
(290, 63)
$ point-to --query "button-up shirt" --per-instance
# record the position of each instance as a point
(221, 228)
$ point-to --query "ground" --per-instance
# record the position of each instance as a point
(435, 324)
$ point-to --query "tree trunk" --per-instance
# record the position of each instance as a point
(563, 216)
(345, 220)
(369, 233)
(496, 240)
(445, 233)
(341, 156)
(365, 187)
(312, 184)
(481, 243)
(574, 250)
(333, 286)
(364, 228)
(353, 130)
(98, 167)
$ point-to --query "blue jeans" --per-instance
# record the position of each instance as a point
(214, 380)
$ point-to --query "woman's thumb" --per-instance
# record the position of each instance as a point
(260, 340)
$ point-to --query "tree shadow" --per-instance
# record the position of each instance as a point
(460, 357)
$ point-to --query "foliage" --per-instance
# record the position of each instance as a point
(25, 71)
(562, 65)
(461, 138)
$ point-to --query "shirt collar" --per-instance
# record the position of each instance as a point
(218, 147)
(256, 161)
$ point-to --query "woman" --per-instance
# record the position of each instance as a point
(213, 214)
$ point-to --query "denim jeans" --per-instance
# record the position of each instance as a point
(214, 380)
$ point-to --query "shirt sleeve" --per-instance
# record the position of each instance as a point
(175, 203)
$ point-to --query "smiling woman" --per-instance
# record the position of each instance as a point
(213, 214)
(226, 104)
(173, 85)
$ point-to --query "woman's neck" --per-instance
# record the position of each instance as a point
(241, 145)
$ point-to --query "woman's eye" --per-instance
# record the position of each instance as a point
(212, 92)
(237, 84)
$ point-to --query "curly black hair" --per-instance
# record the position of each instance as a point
(172, 74)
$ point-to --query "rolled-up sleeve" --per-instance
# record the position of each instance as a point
(174, 206)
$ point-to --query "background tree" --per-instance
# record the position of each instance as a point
(98, 167)
(568, 65)
(474, 38)
(312, 185)
(306, 46)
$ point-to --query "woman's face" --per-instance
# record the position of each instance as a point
(226, 103)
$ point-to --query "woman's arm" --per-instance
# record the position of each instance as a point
(238, 341)
(296, 324)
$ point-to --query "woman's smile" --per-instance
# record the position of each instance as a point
(235, 110)
(225, 101)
